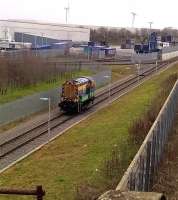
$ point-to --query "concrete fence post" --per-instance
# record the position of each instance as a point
(147, 175)
(141, 172)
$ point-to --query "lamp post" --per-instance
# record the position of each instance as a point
(138, 71)
(49, 112)
(42, 39)
(156, 65)
(107, 76)
(149, 36)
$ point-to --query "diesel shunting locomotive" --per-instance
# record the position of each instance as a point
(77, 94)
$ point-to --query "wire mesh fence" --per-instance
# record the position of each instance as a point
(144, 57)
(28, 70)
(31, 104)
(141, 173)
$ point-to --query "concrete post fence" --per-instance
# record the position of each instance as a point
(140, 174)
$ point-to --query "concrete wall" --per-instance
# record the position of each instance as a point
(131, 195)
(31, 104)
(144, 57)
(169, 55)
(55, 31)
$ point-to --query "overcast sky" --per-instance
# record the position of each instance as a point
(94, 12)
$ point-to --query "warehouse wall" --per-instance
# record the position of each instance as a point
(35, 40)
(55, 31)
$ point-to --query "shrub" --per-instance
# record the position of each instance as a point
(140, 127)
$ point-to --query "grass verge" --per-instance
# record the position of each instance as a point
(118, 72)
(121, 71)
(140, 127)
(14, 94)
(77, 157)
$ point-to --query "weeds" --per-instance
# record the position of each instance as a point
(118, 159)
(28, 69)
(140, 127)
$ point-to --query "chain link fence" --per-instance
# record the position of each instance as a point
(26, 106)
(170, 49)
(144, 57)
(141, 172)
(62, 53)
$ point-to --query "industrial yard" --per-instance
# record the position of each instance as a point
(88, 103)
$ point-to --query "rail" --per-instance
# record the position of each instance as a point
(15, 143)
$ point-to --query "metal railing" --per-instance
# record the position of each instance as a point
(140, 174)
(39, 192)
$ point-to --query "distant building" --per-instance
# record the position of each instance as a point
(40, 34)
(98, 51)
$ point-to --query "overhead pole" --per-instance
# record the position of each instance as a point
(150, 23)
(67, 11)
(133, 18)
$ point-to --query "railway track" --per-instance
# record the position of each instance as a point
(10, 145)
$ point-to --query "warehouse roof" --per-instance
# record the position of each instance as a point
(44, 23)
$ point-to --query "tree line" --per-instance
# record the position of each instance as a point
(27, 70)
(119, 36)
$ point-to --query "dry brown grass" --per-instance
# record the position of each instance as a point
(27, 70)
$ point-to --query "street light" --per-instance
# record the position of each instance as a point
(107, 76)
(149, 36)
(156, 65)
(138, 71)
(49, 113)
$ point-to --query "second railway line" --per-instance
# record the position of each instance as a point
(18, 147)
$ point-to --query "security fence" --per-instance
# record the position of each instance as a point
(170, 49)
(140, 174)
(46, 53)
(31, 104)
(144, 57)
(30, 70)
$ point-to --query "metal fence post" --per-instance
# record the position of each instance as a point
(40, 192)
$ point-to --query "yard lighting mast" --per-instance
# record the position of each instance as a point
(150, 23)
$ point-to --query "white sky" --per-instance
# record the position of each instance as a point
(94, 12)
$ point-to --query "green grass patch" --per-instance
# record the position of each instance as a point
(78, 156)
(118, 72)
(121, 71)
(14, 94)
